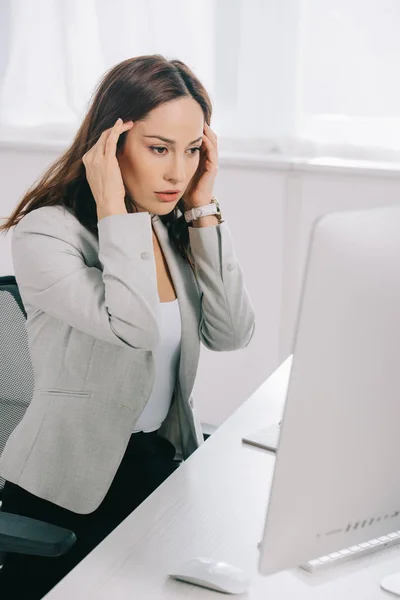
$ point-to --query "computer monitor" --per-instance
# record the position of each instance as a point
(337, 474)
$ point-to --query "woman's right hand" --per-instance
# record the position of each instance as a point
(103, 172)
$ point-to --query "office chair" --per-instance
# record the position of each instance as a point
(17, 533)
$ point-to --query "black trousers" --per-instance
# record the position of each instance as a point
(147, 462)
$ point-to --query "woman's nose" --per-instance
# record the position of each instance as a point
(176, 172)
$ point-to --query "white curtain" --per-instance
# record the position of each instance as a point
(282, 74)
(349, 72)
(57, 51)
(54, 58)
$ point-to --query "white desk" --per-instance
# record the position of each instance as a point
(214, 505)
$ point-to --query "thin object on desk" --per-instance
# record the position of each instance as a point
(266, 438)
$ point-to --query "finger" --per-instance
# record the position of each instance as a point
(208, 143)
(211, 152)
(100, 145)
(210, 135)
(115, 132)
(210, 132)
(95, 146)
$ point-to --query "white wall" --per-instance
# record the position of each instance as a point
(253, 204)
(270, 208)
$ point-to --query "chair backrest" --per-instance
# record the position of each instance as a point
(16, 373)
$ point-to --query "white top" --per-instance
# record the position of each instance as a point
(166, 361)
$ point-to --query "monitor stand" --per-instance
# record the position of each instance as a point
(392, 584)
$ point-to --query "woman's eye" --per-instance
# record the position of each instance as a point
(157, 148)
(160, 150)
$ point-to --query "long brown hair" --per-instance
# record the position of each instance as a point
(130, 90)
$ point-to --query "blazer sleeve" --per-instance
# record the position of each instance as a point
(228, 319)
(117, 305)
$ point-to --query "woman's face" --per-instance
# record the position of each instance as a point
(150, 164)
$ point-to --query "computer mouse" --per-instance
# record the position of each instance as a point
(212, 574)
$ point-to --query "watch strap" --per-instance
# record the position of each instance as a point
(204, 211)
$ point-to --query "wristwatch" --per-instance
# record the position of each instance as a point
(204, 211)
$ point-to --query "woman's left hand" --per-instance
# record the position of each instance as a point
(200, 189)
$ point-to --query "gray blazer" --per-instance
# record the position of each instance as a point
(92, 325)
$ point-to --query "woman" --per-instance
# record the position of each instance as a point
(121, 280)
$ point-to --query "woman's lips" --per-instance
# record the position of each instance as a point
(167, 197)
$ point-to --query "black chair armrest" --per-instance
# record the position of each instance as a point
(23, 535)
